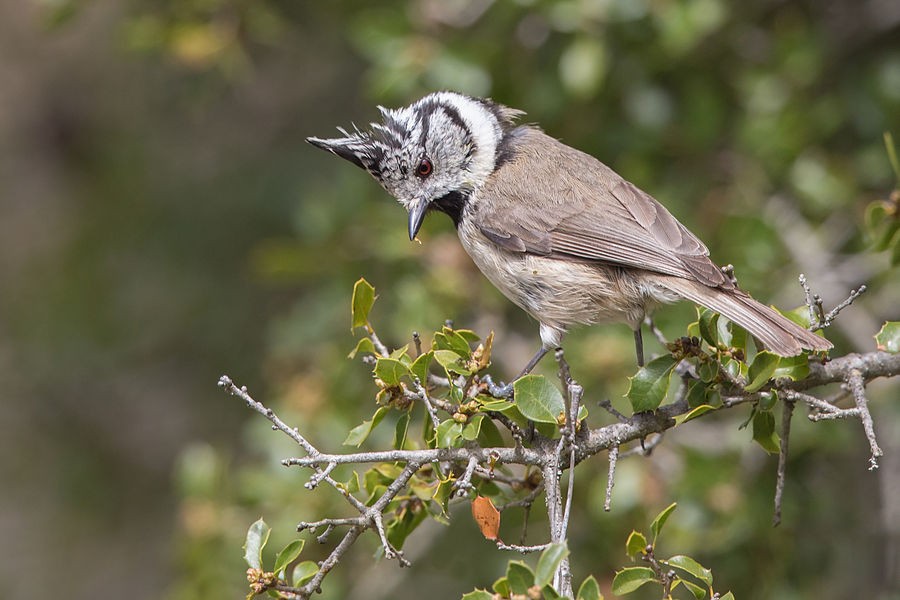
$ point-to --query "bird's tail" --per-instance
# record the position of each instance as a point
(777, 333)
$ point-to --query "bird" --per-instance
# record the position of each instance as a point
(558, 232)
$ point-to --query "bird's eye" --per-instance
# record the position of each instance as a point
(424, 168)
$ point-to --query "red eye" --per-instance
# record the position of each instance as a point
(425, 168)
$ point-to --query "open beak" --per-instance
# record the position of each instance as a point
(417, 211)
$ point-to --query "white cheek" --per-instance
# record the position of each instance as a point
(485, 132)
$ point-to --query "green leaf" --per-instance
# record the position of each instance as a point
(739, 337)
(448, 339)
(708, 371)
(649, 386)
(468, 335)
(401, 355)
(882, 224)
(696, 394)
(257, 536)
(489, 436)
(761, 370)
(698, 592)
(548, 563)
(400, 431)
(363, 345)
(359, 433)
(892, 154)
(304, 571)
(792, 367)
(875, 214)
(635, 544)
(887, 234)
(390, 370)
(472, 428)
(693, 414)
(287, 555)
(631, 578)
(895, 249)
(767, 401)
(478, 595)
(764, 431)
(419, 368)
(363, 299)
(724, 331)
(549, 593)
(538, 399)
(707, 322)
(399, 528)
(589, 590)
(501, 586)
(888, 338)
(497, 405)
(448, 433)
(352, 484)
(728, 596)
(520, 577)
(660, 520)
(692, 567)
(451, 361)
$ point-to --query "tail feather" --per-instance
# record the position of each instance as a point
(777, 333)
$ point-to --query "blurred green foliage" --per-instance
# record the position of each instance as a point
(184, 229)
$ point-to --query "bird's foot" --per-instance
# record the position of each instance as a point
(498, 390)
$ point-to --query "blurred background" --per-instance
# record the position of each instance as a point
(163, 222)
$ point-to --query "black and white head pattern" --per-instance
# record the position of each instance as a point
(444, 144)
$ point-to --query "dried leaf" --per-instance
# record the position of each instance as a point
(487, 517)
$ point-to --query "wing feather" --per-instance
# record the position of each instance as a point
(581, 209)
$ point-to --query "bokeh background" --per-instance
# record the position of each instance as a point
(163, 222)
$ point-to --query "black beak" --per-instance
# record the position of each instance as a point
(417, 211)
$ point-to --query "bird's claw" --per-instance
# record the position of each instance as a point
(501, 390)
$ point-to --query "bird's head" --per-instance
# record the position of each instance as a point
(430, 154)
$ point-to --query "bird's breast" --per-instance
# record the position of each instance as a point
(555, 291)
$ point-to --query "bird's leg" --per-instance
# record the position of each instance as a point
(533, 362)
(639, 346)
(505, 390)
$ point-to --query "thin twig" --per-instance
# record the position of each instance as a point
(522, 549)
(818, 319)
(312, 526)
(811, 305)
(786, 414)
(379, 347)
(417, 343)
(854, 294)
(607, 405)
(464, 483)
(228, 385)
(858, 387)
(422, 394)
(610, 477)
(646, 448)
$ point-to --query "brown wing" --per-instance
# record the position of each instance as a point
(577, 207)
